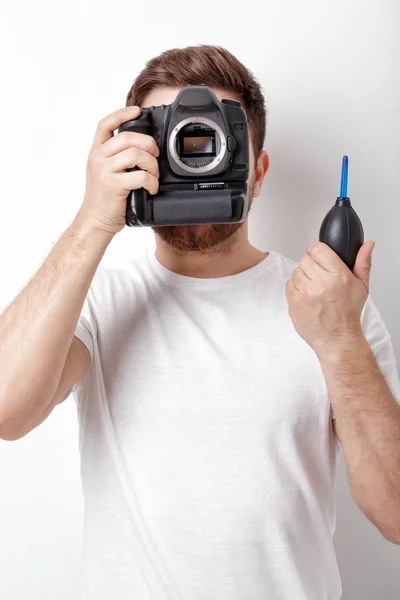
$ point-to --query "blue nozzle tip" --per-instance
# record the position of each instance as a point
(343, 185)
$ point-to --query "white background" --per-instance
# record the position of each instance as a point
(330, 72)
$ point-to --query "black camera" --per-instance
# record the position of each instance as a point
(203, 161)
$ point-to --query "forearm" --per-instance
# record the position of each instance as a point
(37, 328)
(368, 418)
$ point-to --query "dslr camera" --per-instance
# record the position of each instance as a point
(203, 161)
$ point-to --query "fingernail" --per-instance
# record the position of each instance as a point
(370, 255)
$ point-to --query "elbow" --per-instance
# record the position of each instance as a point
(9, 437)
(15, 426)
(390, 529)
(392, 534)
(8, 430)
(385, 518)
(8, 433)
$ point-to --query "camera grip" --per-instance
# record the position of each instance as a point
(135, 203)
(137, 199)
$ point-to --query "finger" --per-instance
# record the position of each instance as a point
(289, 288)
(327, 258)
(107, 125)
(135, 180)
(299, 278)
(362, 266)
(134, 157)
(130, 139)
(312, 269)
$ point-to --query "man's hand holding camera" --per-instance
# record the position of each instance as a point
(107, 181)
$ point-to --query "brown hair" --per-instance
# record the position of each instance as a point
(213, 66)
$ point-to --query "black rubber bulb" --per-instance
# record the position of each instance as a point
(342, 229)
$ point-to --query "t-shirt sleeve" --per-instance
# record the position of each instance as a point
(84, 329)
(379, 340)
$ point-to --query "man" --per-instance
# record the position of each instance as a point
(207, 375)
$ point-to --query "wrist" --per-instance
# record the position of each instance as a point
(343, 347)
(86, 229)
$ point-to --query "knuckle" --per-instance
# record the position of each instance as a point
(311, 248)
(345, 280)
(319, 289)
(102, 124)
(330, 289)
(93, 160)
(146, 177)
(131, 137)
(151, 144)
(102, 176)
(125, 137)
(134, 154)
(93, 154)
(306, 261)
(153, 184)
(316, 249)
(154, 164)
(313, 292)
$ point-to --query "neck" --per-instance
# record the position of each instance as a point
(232, 256)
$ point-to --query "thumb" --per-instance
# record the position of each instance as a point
(362, 267)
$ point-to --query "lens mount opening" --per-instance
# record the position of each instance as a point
(197, 144)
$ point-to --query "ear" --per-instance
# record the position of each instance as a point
(261, 171)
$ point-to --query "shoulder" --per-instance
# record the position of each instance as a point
(285, 265)
(373, 325)
(118, 279)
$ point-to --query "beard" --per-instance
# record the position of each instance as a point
(212, 238)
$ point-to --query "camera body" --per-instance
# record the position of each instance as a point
(203, 161)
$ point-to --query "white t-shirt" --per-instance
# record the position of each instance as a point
(207, 448)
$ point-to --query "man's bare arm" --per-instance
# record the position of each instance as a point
(40, 359)
(368, 425)
(38, 363)
(326, 301)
